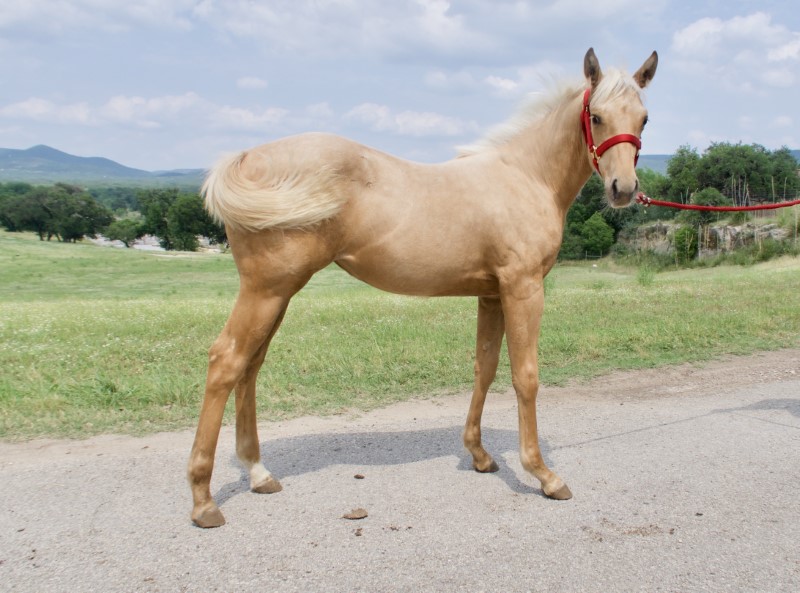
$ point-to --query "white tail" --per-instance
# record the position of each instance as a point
(275, 201)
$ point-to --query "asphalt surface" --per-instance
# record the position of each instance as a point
(685, 479)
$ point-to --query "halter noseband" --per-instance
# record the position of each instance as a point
(597, 151)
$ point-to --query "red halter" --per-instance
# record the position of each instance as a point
(597, 151)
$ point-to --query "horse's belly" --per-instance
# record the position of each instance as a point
(420, 278)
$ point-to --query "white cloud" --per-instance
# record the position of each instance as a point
(106, 15)
(450, 81)
(246, 119)
(536, 77)
(787, 51)
(330, 27)
(782, 78)
(700, 36)
(251, 83)
(502, 86)
(743, 53)
(380, 118)
(590, 9)
(714, 36)
(147, 112)
(42, 110)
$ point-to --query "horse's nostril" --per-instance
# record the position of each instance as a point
(614, 187)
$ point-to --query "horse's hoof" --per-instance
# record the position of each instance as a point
(562, 493)
(489, 469)
(211, 517)
(267, 486)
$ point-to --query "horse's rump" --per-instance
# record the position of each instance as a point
(253, 190)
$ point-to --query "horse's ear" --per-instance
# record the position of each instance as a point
(591, 68)
(646, 73)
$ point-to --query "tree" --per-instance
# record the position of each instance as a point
(63, 211)
(572, 243)
(185, 221)
(9, 192)
(177, 219)
(155, 205)
(682, 170)
(738, 171)
(28, 212)
(705, 197)
(598, 236)
(784, 175)
(685, 242)
(76, 214)
(117, 198)
(125, 230)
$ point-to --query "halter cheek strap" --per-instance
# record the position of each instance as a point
(597, 151)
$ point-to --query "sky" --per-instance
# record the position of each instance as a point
(168, 84)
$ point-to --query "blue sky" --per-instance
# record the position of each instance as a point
(164, 84)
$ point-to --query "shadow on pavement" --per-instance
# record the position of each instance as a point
(301, 455)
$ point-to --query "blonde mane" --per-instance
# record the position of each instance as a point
(614, 83)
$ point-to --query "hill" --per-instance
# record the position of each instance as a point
(656, 162)
(45, 165)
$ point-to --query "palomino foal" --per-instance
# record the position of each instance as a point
(487, 224)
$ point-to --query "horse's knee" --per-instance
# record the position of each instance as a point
(526, 380)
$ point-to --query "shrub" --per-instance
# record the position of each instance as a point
(685, 242)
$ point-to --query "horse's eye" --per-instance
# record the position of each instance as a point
(596, 120)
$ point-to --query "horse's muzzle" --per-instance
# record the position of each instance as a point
(622, 193)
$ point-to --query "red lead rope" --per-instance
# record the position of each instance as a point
(647, 201)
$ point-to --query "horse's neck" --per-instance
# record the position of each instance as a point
(553, 151)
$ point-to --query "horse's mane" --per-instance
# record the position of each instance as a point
(613, 84)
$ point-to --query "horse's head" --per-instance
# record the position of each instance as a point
(613, 119)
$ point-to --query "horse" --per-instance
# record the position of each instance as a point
(486, 224)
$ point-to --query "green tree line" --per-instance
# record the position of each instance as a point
(69, 213)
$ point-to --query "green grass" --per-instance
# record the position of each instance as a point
(106, 340)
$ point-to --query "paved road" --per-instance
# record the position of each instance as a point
(685, 479)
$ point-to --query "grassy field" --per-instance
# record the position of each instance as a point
(99, 340)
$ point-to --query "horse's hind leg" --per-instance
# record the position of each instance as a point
(247, 443)
(487, 354)
(241, 343)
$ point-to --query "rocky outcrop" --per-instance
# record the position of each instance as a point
(715, 239)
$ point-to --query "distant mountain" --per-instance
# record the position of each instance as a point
(656, 162)
(43, 164)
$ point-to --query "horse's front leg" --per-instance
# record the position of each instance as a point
(487, 354)
(523, 305)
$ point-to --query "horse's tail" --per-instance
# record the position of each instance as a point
(295, 200)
